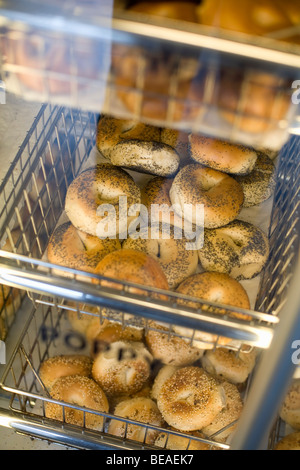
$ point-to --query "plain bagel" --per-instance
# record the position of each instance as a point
(223, 156)
(136, 267)
(97, 188)
(171, 252)
(219, 193)
(216, 288)
(239, 249)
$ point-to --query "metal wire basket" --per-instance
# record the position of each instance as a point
(54, 152)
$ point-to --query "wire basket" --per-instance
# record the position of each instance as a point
(55, 150)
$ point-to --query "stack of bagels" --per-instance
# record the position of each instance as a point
(159, 87)
(175, 406)
(151, 167)
(145, 370)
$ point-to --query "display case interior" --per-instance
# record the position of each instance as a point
(179, 75)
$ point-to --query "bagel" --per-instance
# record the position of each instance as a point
(154, 158)
(111, 131)
(255, 18)
(134, 267)
(289, 442)
(80, 391)
(94, 189)
(183, 11)
(144, 392)
(158, 102)
(221, 155)
(168, 440)
(156, 199)
(233, 366)
(140, 409)
(171, 251)
(239, 249)
(217, 288)
(253, 102)
(220, 195)
(78, 250)
(45, 62)
(80, 316)
(290, 408)
(101, 334)
(61, 366)
(179, 140)
(123, 368)
(225, 423)
(190, 399)
(168, 348)
(259, 185)
(163, 374)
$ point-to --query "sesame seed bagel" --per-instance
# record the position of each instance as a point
(289, 442)
(221, 155)
(93, 190)
(221, 196)
(228, 416)
(163, 374)
(239, 249)
(190, 399)
(122, 368)
(171, 441)
(168, 348)
(108, 332)
(61, 366)
(80, 391)
(259, 185)
(101, 334)
(141, 409)
(172, 253)
(111, 131)
(230, 365)
(76, 249)
(155, 158)
(217, 288)
(290, 409)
